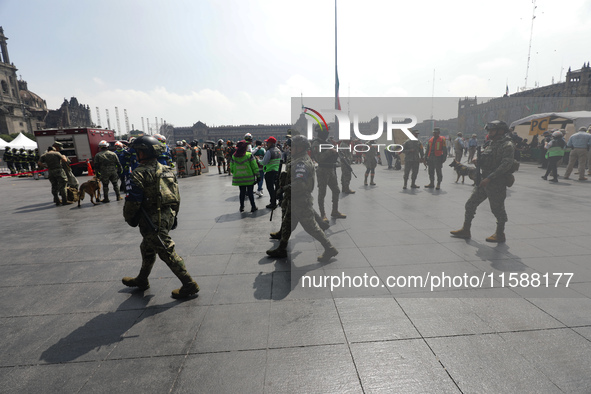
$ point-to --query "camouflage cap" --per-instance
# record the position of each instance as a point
(58, 144)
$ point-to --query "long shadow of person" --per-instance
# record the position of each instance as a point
(103, 330)
(496, 256)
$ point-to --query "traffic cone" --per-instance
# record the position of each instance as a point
(89, 168)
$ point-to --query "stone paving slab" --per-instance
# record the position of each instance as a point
(70, 326)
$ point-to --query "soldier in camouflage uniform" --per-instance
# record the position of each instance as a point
(153, 202)
(285, 191)
(413, 156)
(496, 162)
(53, 160)
(107, 166)
(327, 174)
(301, 208)
(346, 158)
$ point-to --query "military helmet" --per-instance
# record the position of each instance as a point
(148, 144)
(497, 125)
(299, 141)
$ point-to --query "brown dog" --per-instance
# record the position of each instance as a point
(92, 188)
(463, 170)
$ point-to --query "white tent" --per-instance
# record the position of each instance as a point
(538, 123)
(21, 141)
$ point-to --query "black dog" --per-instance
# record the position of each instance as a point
(463, 170)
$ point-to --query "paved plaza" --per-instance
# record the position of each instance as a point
(509, 324)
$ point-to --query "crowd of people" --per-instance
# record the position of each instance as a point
(145, 166)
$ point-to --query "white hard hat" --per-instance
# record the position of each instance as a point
(103, 144)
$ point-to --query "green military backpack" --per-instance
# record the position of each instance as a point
(168, 188)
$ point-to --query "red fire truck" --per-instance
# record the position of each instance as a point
(80, 144)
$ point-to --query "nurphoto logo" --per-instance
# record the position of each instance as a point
(394, 122)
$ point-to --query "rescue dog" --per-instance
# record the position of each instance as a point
(92, 188)
(463, 170)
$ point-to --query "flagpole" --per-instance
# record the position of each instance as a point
(336, 72)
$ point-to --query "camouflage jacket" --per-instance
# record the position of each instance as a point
(324, 157)
(413, 151)
(152, 186)
(53, 160)
(106, 162)
(302, 179)
(496, 159)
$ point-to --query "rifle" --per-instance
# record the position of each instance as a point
(277, 188)
(152, 225)
(345, 162)
(478, 162)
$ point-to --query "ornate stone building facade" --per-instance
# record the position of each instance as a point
(24, 111)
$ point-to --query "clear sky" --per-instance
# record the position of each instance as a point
(237, 62)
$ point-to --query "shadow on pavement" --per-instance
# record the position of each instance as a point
(103, 330)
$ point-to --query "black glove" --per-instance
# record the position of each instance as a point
(175, 223)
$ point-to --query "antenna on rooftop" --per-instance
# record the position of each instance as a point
(531, 35)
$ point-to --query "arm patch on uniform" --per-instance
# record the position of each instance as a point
(300, 172)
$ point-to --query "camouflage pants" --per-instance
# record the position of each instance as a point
(152, 246)
(58, 185)
(286, 222)
(496, 192)
(110, 176)
(345, 177)
(411, 166)
(327, 177)
(305, 215)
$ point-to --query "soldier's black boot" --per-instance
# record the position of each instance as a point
(371, 182)
(365, 181)
(405, 183)
(499, 235)
(464, 232)
(219, 170)
(413, 185)
(188, 288)
(438, 186)
(141, 281)
(279, 252)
